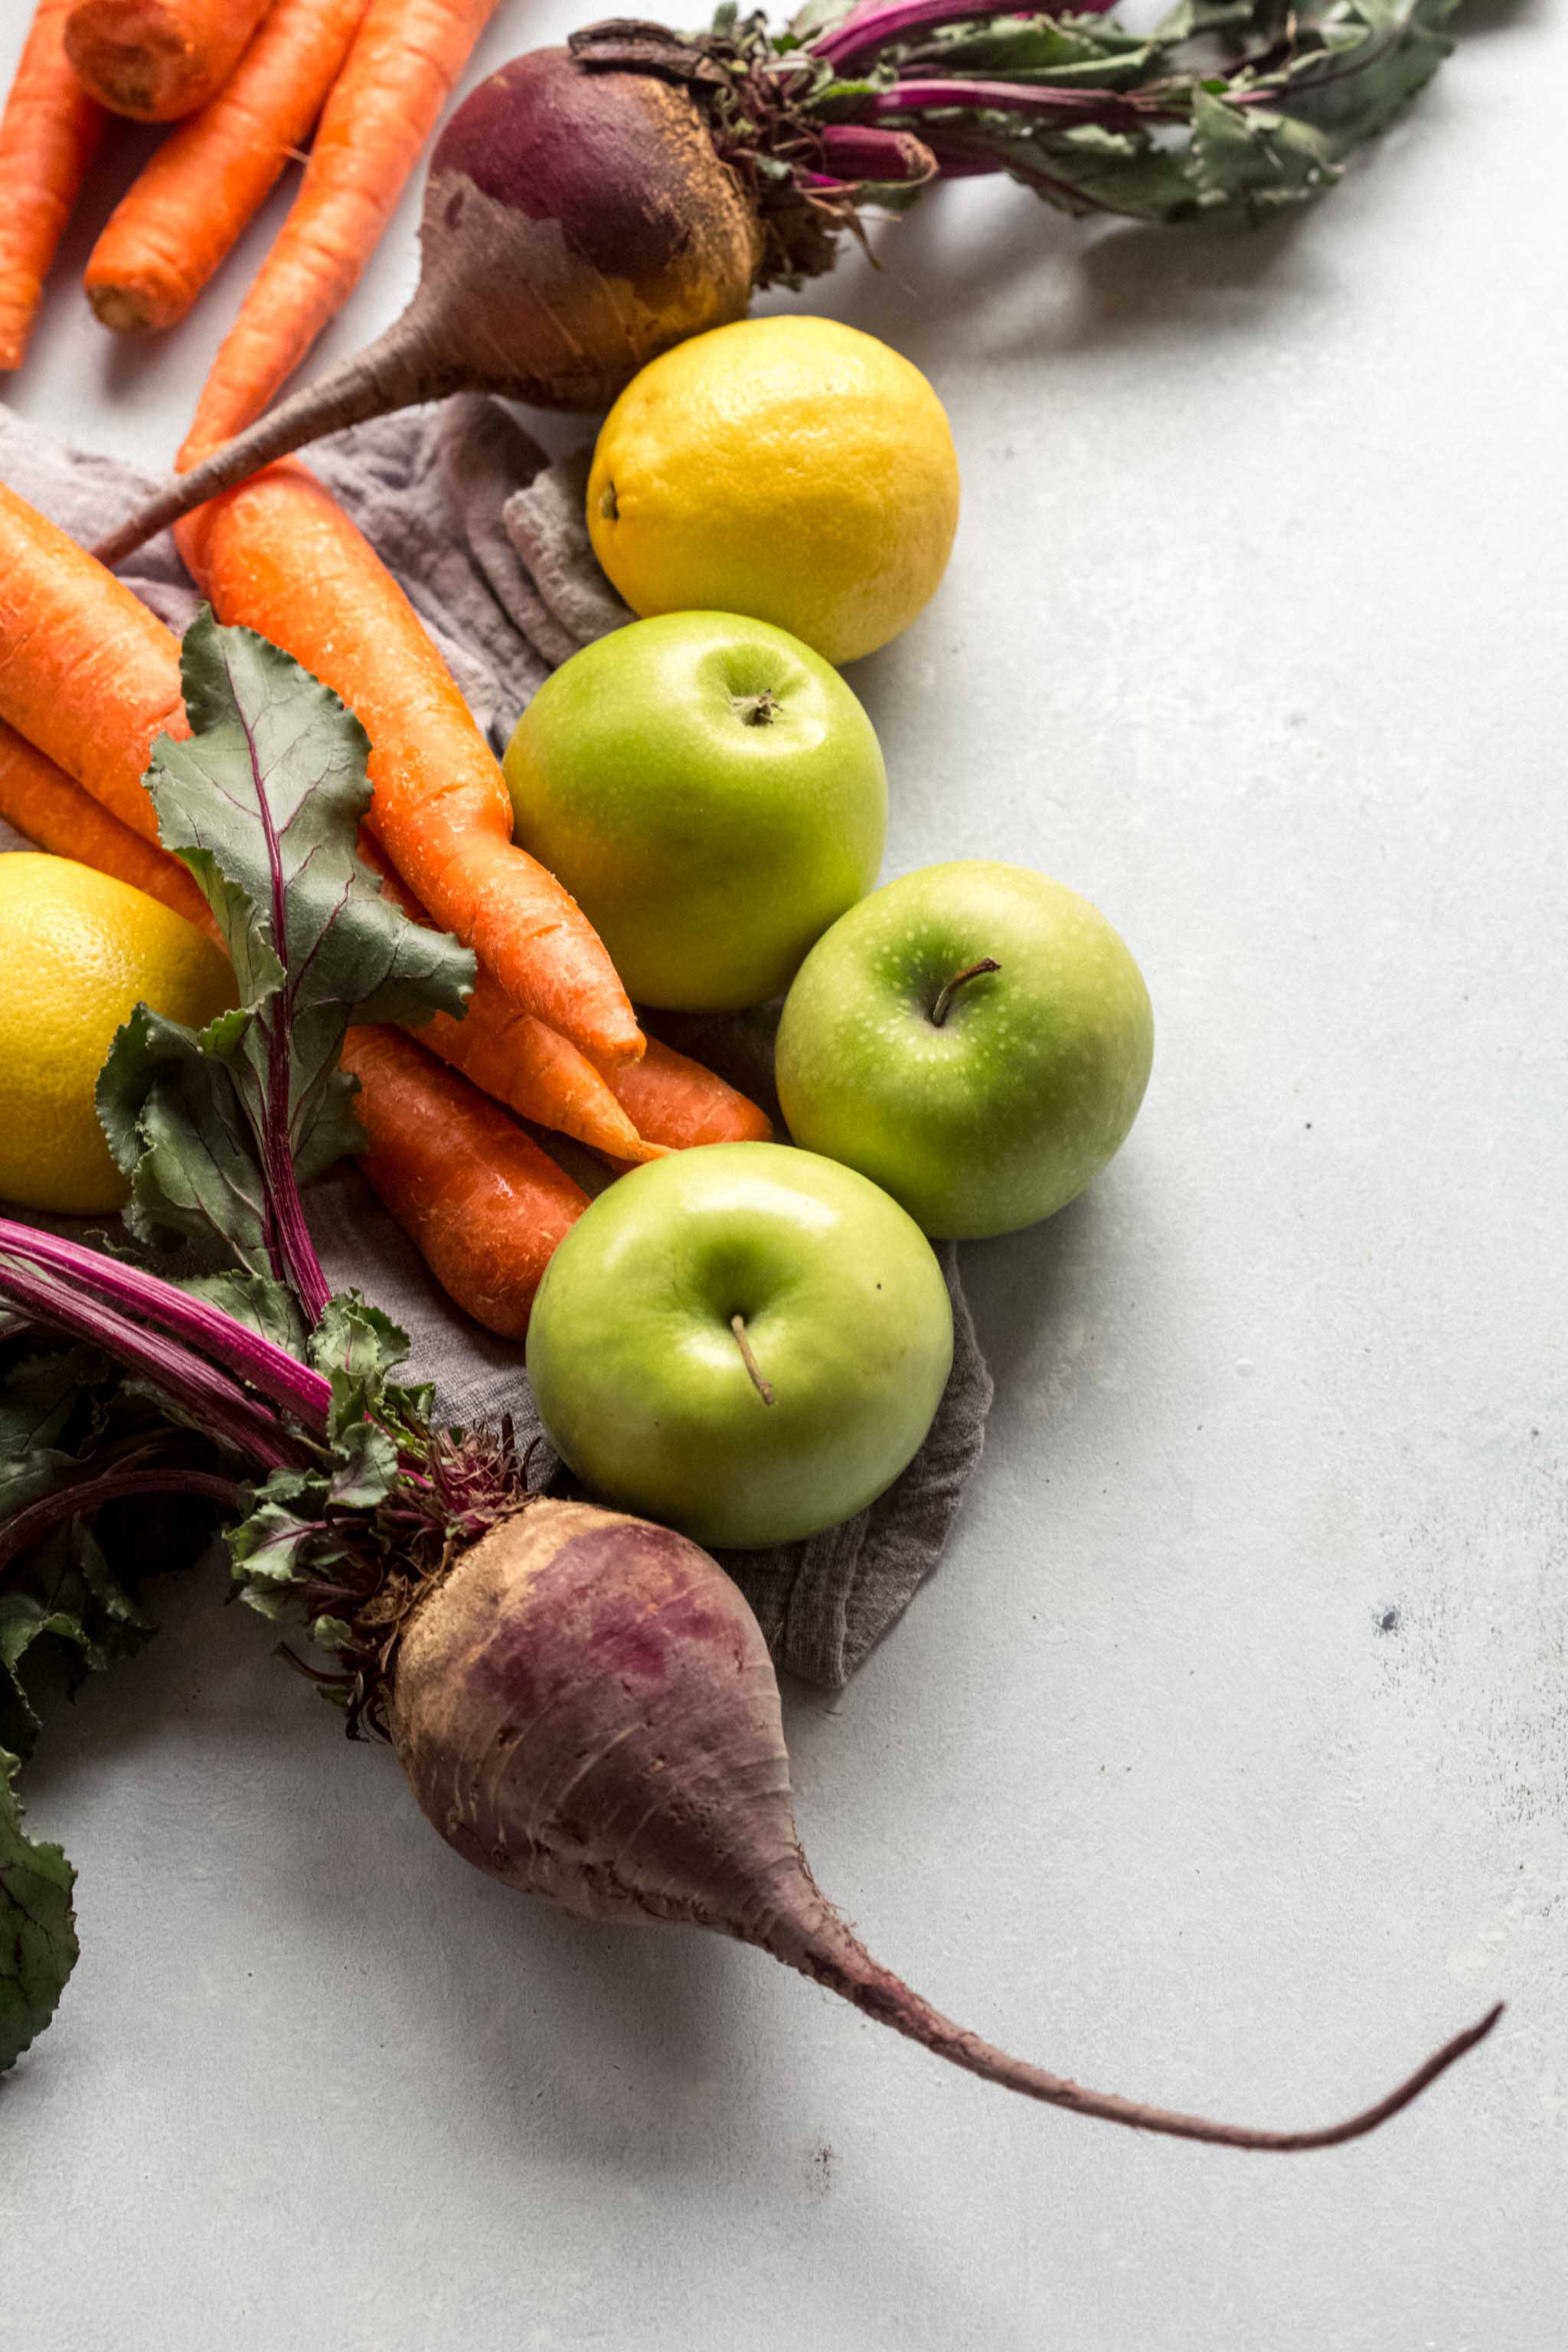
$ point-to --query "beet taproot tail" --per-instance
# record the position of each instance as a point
(586, 1709)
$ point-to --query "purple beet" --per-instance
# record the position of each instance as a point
(585, 1708)
(576, 224)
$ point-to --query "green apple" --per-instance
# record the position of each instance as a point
(973, 1037)
(713, 796)
(743, 1341)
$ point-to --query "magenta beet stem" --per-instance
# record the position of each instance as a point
(1016, 98)
(21, 1533)
(964, 163)
(868, 30)
(857, 150)
(261, 1362)
(294, 1253)
(218, 1406)
(957, 160)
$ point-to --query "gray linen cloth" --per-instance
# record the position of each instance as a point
(490, 544)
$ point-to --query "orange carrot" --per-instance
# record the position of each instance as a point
(87, 672)
(675, 1101)
(49, 134)
(513, 1057)
(41, 802)
(524, 1064)
(279, 555)
(399, 75)
(483, 1205)
(156, 59)
(187, 210)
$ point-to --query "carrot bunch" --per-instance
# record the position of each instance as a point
(247, 82)
(89, 678)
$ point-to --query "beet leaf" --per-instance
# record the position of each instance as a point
(37, 1924)
(1226, 109)
(263, 801)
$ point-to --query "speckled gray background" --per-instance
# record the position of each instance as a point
(1224, 1759)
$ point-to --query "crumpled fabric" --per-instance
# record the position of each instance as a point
(489, 542)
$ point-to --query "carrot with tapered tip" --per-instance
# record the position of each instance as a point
(680, 1103)
(516, 1059)
(48, 136)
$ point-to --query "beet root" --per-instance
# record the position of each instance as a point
(575, 225)
(585, 1708)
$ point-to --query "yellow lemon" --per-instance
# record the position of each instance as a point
(789, 469)
(77, 952)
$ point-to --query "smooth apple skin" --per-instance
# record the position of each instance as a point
(709, 838)
(1004, 1113)
(640, 1378)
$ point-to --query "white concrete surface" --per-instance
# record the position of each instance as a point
(1224, 1761)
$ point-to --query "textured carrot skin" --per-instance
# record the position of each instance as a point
(399, 75)
(41, 800)
(187, 210)
(279, 555)
(157, 59)
(87, 672)
(666, 1102)
(675, 1101)
(48, 135)
(512, 1057)
(522, 1062)
(483, 1205)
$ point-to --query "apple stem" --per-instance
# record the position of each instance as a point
(970, 971)
(756, 710)
(762, 1387)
